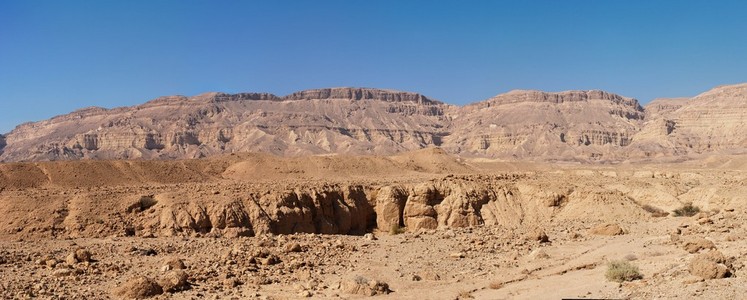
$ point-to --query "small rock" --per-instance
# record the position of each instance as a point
(173, 263)
(538, 235)
(607, 229)
(694, 245)
(709, 265)
(457, 255)
(174, 281)
(370, 237)
(362, 286)
(231, 282)
(138, 288)
(293, 247)
(51, 263)
(70, 259)
(62, 272)
(83, 255)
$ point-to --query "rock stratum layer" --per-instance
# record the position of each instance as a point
(573, 125)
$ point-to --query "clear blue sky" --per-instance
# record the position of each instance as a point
(57, 56)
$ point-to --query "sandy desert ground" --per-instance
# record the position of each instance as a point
(419, 225)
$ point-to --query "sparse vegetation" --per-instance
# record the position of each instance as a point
(396, 229)
(655, 211)
(495, 285)
(620, 271)
(687, 210)
(465, 295)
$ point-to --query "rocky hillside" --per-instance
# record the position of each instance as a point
(572, 125)
(2, 144)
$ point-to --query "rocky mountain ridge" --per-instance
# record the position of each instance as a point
(571, 125)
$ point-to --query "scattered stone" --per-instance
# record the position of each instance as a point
(83, 255)
(363, 286)
(173, 263)
(62, 272)
(305, 294)
(269, 260)
(70, 259)
(51, 263)
(139, 287)
(538, 254)
(710, 265)
(694, 245)
(608, 229)
(231, 282)
(293, 247)
(457, 255)
(538, 235)
(370, 237)
(174, 281)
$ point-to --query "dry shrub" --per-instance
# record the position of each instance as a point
(620, 271)
(495, 285)
(396, 229)
(687, 210)
(465, 295)
(655, 211)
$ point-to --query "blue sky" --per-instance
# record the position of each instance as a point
(57, 56)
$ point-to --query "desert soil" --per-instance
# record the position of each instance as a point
(422, 225)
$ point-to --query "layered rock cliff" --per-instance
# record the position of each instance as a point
(712, 121)
(572, 125)
(341, 120)
(532, 123)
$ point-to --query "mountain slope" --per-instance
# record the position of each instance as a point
(341, 120)
(572, 125)
(712, 121)
(533, 123)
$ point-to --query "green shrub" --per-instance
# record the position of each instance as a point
(620, 270)
(687, 210)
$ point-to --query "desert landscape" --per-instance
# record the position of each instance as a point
(348, 193)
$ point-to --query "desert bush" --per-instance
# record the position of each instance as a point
(396, 229)
(495, 285)
(620, 270)
(687, 210)
(655, 211)
(465, 295)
